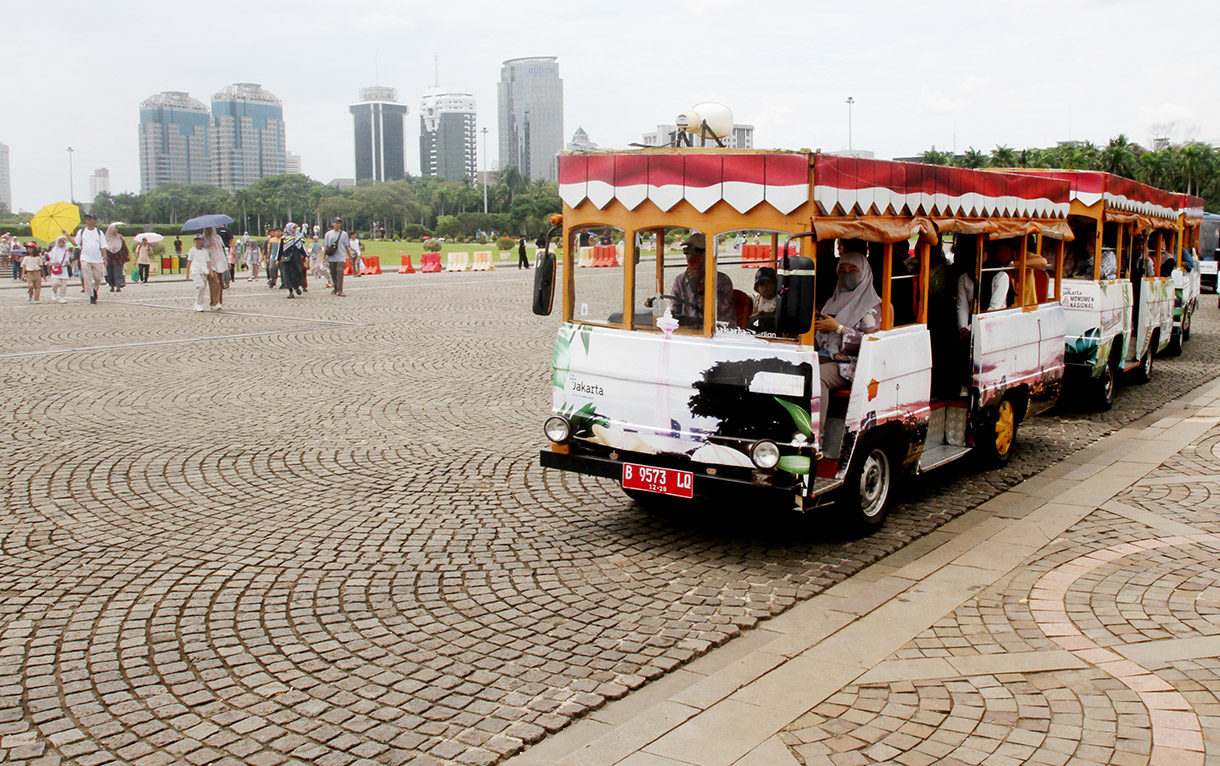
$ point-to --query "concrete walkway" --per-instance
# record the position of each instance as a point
(1074, 618)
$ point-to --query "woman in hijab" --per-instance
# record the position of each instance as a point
(59, 260)
(219, 262)
(292, 259)
(254, 256)
(853, 311)
(116, 256)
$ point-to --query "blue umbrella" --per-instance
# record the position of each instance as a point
(206, 222)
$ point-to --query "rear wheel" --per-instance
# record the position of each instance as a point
(864, 498)
(997, 435)
(1142, 374)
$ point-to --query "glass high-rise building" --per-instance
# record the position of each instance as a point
(173, 135)
(6, 181)
(530, 96)
(448, 141)
(379, 139)
(246, 135)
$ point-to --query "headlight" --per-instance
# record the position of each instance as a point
(765, 453)
(558, 430)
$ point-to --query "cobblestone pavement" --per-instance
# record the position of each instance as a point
(314, 531)
(1101, 649)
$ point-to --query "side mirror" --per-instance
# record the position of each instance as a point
(544, 283)
(795, 296)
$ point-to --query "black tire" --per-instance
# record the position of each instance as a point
(997, 434)
(864, 499)
(1174, 348)
(1105, 387)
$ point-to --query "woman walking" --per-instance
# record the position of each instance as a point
(292, 260)
(219, 263)
(143, 260)
(59, 266)
(116, 256)
(254, 257)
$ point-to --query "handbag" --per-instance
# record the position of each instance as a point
(333, 248)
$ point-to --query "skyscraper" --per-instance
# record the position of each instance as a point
(99, 182)
(530, 96)
(379, 134)
(247, 136)
(173, 135)
(448, 144)
(6, 180)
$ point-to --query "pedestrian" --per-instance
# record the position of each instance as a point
(317, 263)
(218, 265)
(522, 261)
(6, 254)
(143, 260)
(31, 268)
(178, 246)
(199, 270)
(338, 249)
(292, 260)
(91, 242)
(355, 251)
(116, 257)
(231, 254)
(16, 253)
(59, 260)
(272, 251)
(254, 256)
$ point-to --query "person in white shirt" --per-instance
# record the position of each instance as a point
(199, 268)
(91, 241)
(59, 261)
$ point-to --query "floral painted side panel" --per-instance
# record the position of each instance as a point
(705, 398)
(1096, 314)
(1018, 347)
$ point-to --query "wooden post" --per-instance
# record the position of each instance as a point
(925, 272)
(628, 268)
(1061, 251)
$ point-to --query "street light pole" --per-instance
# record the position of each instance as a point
(484, 171)
(850, 101)
(71, 190)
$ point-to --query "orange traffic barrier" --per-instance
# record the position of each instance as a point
(430, 263)
(370, 264)
(585, 257)
(406, 267)
(753, 256)
(347, 268)
(604, 255)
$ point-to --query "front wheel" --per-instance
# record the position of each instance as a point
(997, 435)
(864, 498)
(1186, 315)
(1105, 387)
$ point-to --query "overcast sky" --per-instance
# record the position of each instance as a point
(949, 74)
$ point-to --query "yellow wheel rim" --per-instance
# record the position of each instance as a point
(1005, 426)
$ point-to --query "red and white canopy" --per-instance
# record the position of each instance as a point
(743, 180)
(1119, 193)
(857, 186)
(1191, 206)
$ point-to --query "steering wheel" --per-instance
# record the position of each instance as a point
(682, 301)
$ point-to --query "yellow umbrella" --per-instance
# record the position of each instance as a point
(48, 223)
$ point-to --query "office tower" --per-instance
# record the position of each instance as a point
(246, 136)
(530, 96)
(379, 134)
(6, 181)
(742, 137)
(173, 136)
(292, 163)
(447, 135)
(99, 182)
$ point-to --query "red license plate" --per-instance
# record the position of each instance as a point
(663, 481)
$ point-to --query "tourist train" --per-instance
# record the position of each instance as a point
(970, 300)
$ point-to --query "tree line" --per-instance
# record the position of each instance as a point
(1193, 167)
(410, 208)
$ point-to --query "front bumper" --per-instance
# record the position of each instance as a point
(724, 481)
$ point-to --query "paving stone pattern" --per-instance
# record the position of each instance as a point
(314, 531)
(1101, 647)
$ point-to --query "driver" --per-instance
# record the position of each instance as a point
(688, 287)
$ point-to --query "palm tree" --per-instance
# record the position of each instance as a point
(934, 157)
(1119, 157)
(973, 158)
(1003, 157)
